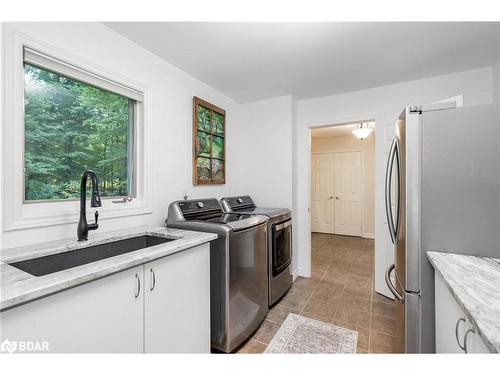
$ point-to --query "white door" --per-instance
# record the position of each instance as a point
(177, 303)
(102, 316)
(322, 193)
(348, 190)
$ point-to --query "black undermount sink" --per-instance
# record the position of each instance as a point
(74, 258)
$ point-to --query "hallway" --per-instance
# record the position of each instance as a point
(339, 291)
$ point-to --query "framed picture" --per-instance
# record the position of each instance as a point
(209, 143)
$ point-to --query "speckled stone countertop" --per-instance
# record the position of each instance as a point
(475, 284)
(17, 287)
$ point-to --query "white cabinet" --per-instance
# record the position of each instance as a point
(454, 332)
(177, 303)
(103, 316)
(159, 307)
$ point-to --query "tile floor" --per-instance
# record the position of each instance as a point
(339, 291)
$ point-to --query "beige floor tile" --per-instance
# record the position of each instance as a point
(380, 343)
(319, 266)
(383, 325)
(294, 301)
(316, 275)
(358, 286)
(336, 277)
(361, 270)
(328, 291)
(302, 290)
(376, 297)
(279, 313)
(352, 316)
(321, 307)
(252, 347)
(355, 302)
(312, 281)
(323, 319)
(266, 331)
(341, 279)
(384, 309)
(363, 259)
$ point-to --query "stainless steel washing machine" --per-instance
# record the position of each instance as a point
(238, 267)
(279, 234)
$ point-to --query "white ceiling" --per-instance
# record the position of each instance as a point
(335, 131)
(253, 61)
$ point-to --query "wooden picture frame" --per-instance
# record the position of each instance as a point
(209, 143)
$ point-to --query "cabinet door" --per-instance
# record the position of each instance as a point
(177, 303)
(103, 316)
(448, 315)
(475, 344)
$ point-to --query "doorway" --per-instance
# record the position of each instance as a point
(342, 181)
(342, 245)
(336, 193)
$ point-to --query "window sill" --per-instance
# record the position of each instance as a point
(39, 215)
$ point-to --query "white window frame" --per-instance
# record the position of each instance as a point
(18, 214)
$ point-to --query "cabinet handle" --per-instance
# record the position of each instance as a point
(456, 334)
(154, 279)
(138, 283)
(470, 330)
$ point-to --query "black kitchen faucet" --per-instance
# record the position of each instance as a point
(95, 201)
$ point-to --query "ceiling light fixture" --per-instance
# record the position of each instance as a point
(362, 130)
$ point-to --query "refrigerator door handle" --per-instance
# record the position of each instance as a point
(388, 200)
(391, 287)
(397, 156)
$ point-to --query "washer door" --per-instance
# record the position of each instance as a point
(282, 246)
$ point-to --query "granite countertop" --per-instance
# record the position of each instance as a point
(17, 287)
(475, 283)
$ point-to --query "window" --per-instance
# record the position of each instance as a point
(74, 121)
(62, 114)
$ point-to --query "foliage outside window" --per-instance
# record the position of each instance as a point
(71, 126)
(209, 125)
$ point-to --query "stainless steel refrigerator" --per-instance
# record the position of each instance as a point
(442, 192)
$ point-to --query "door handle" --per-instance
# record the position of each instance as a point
(391, 287)
(388, 199)
(138, 285)
(153, 276)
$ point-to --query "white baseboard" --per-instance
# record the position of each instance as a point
(298, 272)
(369, 235)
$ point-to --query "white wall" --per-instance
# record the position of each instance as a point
(266, 148)
(172, 92)
(475, 85)
(367, 148)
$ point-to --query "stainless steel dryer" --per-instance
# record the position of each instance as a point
(279, 233)
(238, 267)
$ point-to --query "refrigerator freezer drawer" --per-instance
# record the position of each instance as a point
(412, 323)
